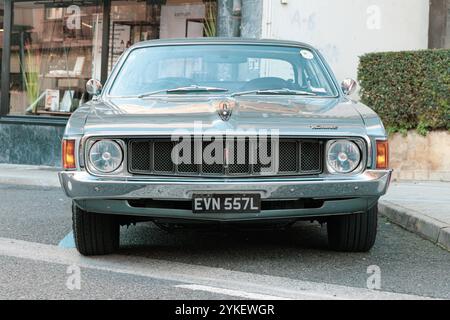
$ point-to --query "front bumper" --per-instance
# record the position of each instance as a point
(109, 195)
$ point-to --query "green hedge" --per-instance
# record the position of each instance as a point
(409, 89)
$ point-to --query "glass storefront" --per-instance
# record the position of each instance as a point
(1, 32)
(52, 51)
(56, 46)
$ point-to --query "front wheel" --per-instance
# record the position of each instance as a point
(94, 233)
(354, 232)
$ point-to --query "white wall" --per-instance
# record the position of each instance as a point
(343, 30)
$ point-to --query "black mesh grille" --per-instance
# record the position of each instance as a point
(188, 166)
(212, 157)
(309, 159)
(162, 156)
(227, 156)
(288, 156)
(141, 150)
(263, 151)
(238, 156)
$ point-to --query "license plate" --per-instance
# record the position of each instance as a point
(226, 203)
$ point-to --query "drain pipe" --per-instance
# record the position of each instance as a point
(229, 18)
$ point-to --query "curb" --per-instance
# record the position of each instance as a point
(29, 175)
(429, 228)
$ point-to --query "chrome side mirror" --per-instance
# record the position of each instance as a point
(348, 86)
(94, 87)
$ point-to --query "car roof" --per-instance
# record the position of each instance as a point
(219, 40)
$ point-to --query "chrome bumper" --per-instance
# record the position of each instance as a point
(80, 185)
(341, 196)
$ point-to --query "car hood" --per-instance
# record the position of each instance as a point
(200, 115)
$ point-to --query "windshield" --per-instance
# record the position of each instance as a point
(230, 69)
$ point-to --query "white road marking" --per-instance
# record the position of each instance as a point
(228, 292)
(236, 281)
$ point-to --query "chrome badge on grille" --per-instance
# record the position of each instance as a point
(225, 110)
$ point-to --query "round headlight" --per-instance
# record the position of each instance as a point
(343, 156)
(105, 156)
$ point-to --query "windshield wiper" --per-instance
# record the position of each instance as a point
(284, 91)
(188, 89)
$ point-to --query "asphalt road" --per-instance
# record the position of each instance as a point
(204, 264)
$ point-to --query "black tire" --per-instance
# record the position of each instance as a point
(354, 232)
(94, 233)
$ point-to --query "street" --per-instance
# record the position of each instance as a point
(36, 250)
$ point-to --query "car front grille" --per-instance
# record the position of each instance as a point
(226, 157)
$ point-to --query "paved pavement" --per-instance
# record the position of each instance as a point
(35, 252)
(421, 207)
(29, 175)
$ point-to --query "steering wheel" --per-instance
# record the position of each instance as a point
(171, 83)
(266, 83)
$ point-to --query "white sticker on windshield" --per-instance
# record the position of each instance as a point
(307, 54)
(319, 90)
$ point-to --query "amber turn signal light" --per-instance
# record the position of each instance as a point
(382, 154)
(68, 154)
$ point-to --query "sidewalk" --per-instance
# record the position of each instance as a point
(29, 175)
(420, 207)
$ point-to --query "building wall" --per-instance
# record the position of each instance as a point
(439, 31)
(252, 13)
(31, 144)
(344, 30)
(416, 157)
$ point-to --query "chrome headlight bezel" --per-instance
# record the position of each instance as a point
(95, 170)
(358, 144)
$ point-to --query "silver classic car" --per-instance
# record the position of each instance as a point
(231, 131)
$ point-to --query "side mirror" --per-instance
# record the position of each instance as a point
(94, 87)
(348, 86)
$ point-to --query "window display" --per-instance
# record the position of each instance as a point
(51, 57)
(56, 46)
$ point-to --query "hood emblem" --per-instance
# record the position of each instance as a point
(225, 110)
(323, 127)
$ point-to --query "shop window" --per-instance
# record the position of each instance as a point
(134, 21)
(2, 11)
(56, 46)
(52, 50)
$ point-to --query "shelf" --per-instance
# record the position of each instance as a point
(54, 113)
(51, 76)
(58, 45)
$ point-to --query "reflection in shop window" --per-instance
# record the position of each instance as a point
(52, 52)
(56, 45)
